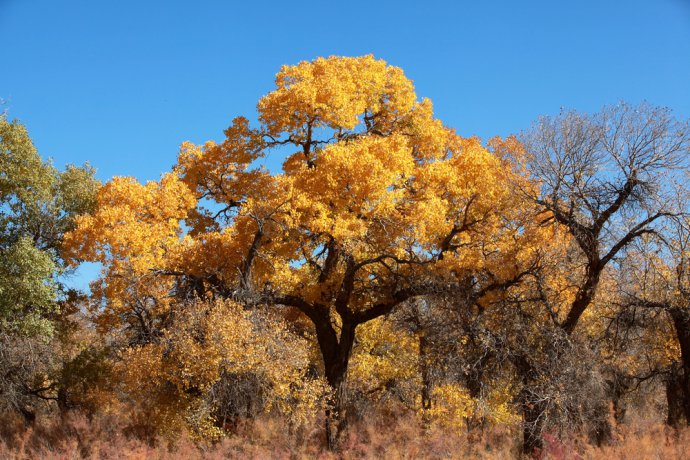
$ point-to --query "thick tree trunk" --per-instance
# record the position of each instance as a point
(336, 355)
(675, 396)
(335, 413)
(533, 409)
(678, 388)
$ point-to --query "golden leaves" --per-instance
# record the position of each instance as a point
(334, 92)
(211, 341)
(352, 184)
(133, 224)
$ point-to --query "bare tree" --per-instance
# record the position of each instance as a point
(606, 177)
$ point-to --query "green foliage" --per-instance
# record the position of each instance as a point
(38, 204)
(27, 289)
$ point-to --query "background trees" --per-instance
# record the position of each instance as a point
(608, 179)
(654, 308)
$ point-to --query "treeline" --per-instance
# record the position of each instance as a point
(539, 282)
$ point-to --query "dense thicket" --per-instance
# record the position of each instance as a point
(537, 282)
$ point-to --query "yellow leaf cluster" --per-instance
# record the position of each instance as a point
(207, 342)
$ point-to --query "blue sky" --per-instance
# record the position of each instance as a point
(122, 83)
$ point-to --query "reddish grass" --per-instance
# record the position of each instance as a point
(403, 438)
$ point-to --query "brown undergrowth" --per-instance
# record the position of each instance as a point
(76, 437)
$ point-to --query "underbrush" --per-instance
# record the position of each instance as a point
(76, 437)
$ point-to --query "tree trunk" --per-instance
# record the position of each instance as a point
(675, 396)
(584, 296)
(533, 409)
(532, 424)
(680, 387)
(612, 410)
(335, 413)
(336, 356)
(601, 427)
(473, 382)
(28, 414)
(619, 406)
(424, 369)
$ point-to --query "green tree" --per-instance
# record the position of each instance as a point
(37, 206)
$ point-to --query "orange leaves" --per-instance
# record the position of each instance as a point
(428, 137)
(352, 184)
(334, 92)
(133, 224)
(133, 232)
(220, 171)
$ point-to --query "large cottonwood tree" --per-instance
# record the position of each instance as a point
(377, 202)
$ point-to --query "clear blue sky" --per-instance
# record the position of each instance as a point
(121, 83)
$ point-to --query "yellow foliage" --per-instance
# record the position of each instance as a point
(382, 358)
(134, 225)
(453, 407)
(334, 92)
(206, 343)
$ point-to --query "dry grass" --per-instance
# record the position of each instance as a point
(644, 442)
(404, 438)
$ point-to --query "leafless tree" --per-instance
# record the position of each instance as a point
(606, 178)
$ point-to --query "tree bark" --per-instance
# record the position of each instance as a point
(336, 356)
(533, 409)
(680, 385)
(675, 396)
